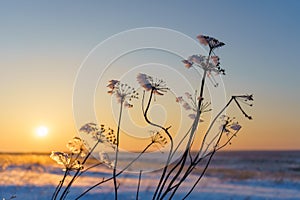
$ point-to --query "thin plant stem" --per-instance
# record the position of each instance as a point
(54, 193)
(194, 128)
(69, 168)
(168, 134)
(212, 123)
(208, 154)
(203, 171)
(117, 152)
(138, 187)
(120, 172)
(88, 168)
(181, 141)
(240, 107)
(179, 160)
(206, 166)
(64, 194)
(194, 162)
(60, 185)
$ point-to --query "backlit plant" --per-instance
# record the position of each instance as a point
(172, 176)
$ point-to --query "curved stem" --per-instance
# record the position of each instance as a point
(168, 134)
(120, 172)
(188, 146)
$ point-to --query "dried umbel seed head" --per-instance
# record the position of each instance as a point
(100, 134)
(76, 146)
(123, 92)
(213, 43)
(61, 158)
(110, 136)
(158, 86)
(229, 125)
(211, 64)
(190, 103)
(66, 160)
(158, 138)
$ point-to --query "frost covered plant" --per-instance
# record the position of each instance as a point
(70, 161)
(79, 154)
(76, 146)
(156, 87)
(61, 158)
(123, 92)
(213, 43)
(65, 160)
(201, 61)
(148, 83)
(189, 103)
(105, 159)
(181, 170)
(211, 65)
(99, 134)
(228, 125)
(219, 133)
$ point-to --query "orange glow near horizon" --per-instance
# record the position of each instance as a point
(267, 130)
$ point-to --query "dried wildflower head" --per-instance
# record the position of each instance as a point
(89, 128)
(61, 158)
(158, 138)
(158, 86)
(100, 134)
(210, 65)
(213, 43)
(189, 103)
(104, 158)
(66, 160)
(123, 92)
(76, 146)
(229, 125)
(112, 84)
(110, 136)
(213, 64)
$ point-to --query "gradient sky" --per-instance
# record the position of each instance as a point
(42, 45)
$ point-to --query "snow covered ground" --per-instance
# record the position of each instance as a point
(243, 176)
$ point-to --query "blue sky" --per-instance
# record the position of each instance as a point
(43, 43)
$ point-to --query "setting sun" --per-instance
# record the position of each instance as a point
(41, 131)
